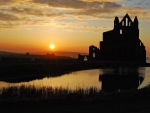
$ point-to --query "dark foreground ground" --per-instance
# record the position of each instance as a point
(123, 102)
(119, 102)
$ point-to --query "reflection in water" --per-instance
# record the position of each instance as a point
(121, 79)
(79, 79)
(111, 79)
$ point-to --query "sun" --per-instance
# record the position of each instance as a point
(52, 46)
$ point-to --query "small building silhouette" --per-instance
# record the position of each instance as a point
(120, 44)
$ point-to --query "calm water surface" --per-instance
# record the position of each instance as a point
(105, 79)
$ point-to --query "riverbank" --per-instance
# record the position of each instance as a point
(17, 71)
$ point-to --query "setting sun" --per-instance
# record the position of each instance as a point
(52, 46)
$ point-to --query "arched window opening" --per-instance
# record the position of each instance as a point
(85, 58)
(120, 31)
(93, 55)
(126, 21)
(122, 23)
(129, 23)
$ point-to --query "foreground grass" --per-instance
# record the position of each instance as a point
(48, 99)
(45, 92)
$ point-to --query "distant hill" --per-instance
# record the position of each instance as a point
(3, 52)
(56, 53)
(10, 53)
(61, 53)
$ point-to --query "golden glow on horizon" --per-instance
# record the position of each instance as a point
(52, 46)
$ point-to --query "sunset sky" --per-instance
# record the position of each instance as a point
(72, 25)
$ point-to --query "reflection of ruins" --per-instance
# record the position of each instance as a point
(120, 80)
(120, 44)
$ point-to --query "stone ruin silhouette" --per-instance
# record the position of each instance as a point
(120, 44)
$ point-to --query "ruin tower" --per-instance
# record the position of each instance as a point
(116, 23)
(120, 44)
(123, 43)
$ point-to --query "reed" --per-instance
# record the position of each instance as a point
(45, 92)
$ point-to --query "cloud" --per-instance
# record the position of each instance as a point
(34, 12)
(82, 8)
(12, 2)
(75, 4)
(79, 26)
(8, 17)
(101, 0)
(27, 10)
(6, 2)
(100, 8)
(90, 9)
(79, 7)
(142, 2)
(140, 12)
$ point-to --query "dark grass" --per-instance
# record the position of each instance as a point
(45, 92)
(48, 99)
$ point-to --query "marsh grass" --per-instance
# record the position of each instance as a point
(46, 92)
(44, 99)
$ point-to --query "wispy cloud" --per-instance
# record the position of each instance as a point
(12, 2)
(37, 11)
(77, 4)
(8, 17)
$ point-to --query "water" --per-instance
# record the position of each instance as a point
(107, 79)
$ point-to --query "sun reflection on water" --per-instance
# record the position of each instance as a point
(79, 79)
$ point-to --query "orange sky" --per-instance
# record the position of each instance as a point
(74, 25)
